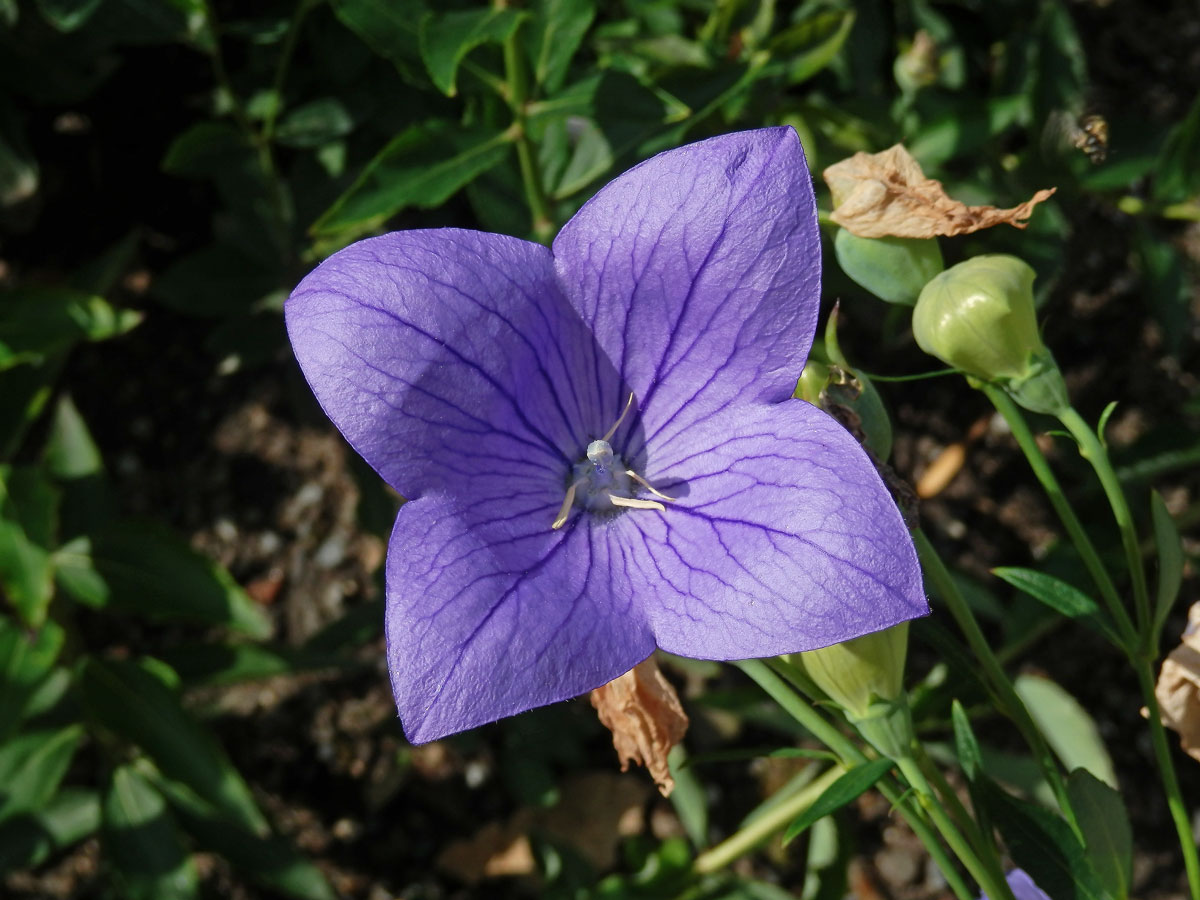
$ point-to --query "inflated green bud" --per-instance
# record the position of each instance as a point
(865, 676)
(978, 316)
(892, 268)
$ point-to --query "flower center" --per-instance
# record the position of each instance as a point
(602, 482)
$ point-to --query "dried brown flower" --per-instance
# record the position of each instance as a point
(642, 711)
(1178, 688)
(881, 194)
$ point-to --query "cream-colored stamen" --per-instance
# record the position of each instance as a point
(635, 503)
(617, 424)
(568, 502)
(648, 486)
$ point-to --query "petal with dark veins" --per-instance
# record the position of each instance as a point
(784, 539)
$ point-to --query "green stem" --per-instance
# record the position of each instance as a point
(1166, 769)
(815, 723)
(988, 876)
(746, 839)
(1006, 696)
(281, 70)
(1079, 536)
(1093, 451)
(518, 97)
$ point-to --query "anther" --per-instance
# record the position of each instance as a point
(568, 502)
(648, 486)
(617, 424)
(636, 503)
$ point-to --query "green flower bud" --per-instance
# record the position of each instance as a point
(978, 316)
(865, 676)
(813, 381)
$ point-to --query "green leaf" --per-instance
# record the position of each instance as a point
(142, 567)
(38, 322)
(315, 123)
(810, 45)
(25, 660)
(893, 269)
(142, 842)
(389, 27)
(1054, 592)
(846, 789)
(70, 451)
(268, 860)
(1107, 835)
(136, 706)
(1068, 728)
(447, 38)
(688, 798)
(28, 840)
(28, 521)
(1043, 845)
(422, 166)
(558, 29)
(19, 175)
(205, 149)
(67, 15)
(217, 280)
(966, 747)
(1170, 560)
(24, 391)
(31, 766)
(1103, 423)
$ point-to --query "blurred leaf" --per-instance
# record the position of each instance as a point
(28, 519)
(268, 860)
(558, 29)
(688, 798)
(67, 15)
(25, 660)
(1068, 728)
(1059, 62)
(218, 280)
(212, 664)
(446, 39)
(205, 149)
(145, 568)
(423, 166)
(36, 322)
(389, 27)
(24, 391)
(27, 840)
(1177, 175)
(70, 451)
(811, 44)
(315, 123)
(142, 843)
(19, 175)
(893, 269)
(1165, 281)
(846, 789)
(31, 766)
(136, 706)
(1107, 835)
(1170, 560)
(966, 747)
(1043, 845)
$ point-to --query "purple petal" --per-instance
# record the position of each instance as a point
(1023, 887)
(699, 272)
(449, 359)
(491, 613)
(783, 539)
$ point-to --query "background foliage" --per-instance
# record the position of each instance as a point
(189, 562)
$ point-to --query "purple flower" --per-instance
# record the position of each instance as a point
(556, 530)
(1022, 886)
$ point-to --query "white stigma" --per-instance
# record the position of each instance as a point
(602, 482)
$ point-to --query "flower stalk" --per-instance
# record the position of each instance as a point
(517, 81)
